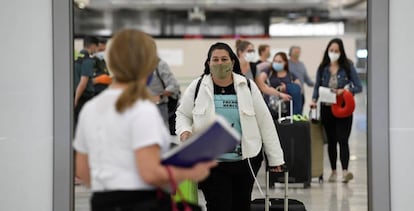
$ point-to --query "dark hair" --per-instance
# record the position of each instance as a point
(241, 45)
(343, 59)
(90, 40)
(285, 59)
(291, 49)
(262, 48)
(233, 57)
(102, 40)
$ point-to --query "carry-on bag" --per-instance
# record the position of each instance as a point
(189, 190)
(295, 140)
(317, 140)
(277, 204)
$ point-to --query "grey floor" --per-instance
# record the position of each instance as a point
(319, 197)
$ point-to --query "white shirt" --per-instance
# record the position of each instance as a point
(110, 139)
(256, 122)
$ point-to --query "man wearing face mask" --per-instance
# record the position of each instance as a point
(297, 68)
(83, 75)
(264, 53)
(101, 74)
(223, 90)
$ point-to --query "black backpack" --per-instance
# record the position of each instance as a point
(99, 68)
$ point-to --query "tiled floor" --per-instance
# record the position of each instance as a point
(319, 197)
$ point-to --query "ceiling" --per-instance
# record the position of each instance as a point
(346, 9)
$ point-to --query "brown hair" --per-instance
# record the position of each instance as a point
(262, 48)
(241, 46)
(132, 57)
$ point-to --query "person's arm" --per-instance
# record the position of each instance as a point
(146, 141)
(154, 173)
(267, 129)
(86, 73)
(357, 86)
(81, 88)
(315, 94)
(82, 168)
(307, 79)
(184, 119)
(266, 89)
(171, 83)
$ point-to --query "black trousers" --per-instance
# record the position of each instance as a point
(81, 102)
(131, 201)
(337, 131)
(229, 186)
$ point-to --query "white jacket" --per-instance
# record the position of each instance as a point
(256, 122)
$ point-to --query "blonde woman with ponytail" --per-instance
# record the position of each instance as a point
(121, 135)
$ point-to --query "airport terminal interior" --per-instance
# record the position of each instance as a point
(324, 196)
(185, 29)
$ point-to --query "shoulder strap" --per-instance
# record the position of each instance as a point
(253, 68)
(248, 84)
(159, 76)
(199, 83)
(198, 87)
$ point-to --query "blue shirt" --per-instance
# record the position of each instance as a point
(227, 106)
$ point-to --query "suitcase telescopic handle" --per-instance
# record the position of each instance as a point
(280, 118)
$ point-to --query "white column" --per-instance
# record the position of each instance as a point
(401, 103)
(26, 107)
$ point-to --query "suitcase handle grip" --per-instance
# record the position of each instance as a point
(284, 168)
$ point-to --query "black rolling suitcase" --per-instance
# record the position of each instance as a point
(276, 204)
(295, 140)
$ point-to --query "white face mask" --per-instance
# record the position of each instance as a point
(250, 57)
(100, 55)
(334, 56)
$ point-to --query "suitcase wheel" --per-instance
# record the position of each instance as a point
(320, 179)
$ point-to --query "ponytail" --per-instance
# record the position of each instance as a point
(130, 95)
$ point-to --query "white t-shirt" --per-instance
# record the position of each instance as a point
(110, 139)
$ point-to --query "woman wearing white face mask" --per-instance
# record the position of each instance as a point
(247, 58)
(274, 79)
(336, 72)
(223, 90)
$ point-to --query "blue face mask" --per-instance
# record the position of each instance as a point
(278, 66)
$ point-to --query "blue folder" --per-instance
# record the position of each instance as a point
(206, 145)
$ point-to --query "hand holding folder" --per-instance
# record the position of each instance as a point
(206, 145)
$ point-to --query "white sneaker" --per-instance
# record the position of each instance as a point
(347, 177)
(332, 177)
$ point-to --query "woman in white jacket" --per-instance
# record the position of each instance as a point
(222, 90)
